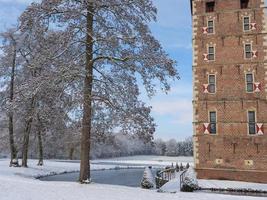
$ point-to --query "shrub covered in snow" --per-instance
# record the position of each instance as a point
(190, 181)
(177, 167)
(181, 167)
(147, 180)
(187, 166)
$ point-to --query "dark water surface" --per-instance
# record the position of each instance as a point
(126, 177)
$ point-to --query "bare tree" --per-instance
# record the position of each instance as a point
(9, 60)
(40, 89)
(112, 42)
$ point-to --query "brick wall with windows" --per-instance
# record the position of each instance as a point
(230, 93)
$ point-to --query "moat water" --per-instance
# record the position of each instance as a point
(125, 177)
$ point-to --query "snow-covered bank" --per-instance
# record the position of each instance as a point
(50, 168)
(61, 166)
(218, 184)
(231, 184)
(19, 184)
(149, 160)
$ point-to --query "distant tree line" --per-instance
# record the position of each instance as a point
(124, 145)
(66, 145)
(173, 147)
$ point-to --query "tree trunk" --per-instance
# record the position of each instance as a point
(26, 139)
(87, 101)
(71, 152)
(26, 136)
(40, 148)
(40, 144)
(13, 150)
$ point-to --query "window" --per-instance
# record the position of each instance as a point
(212, 84)
(210, 28)
(249, 82)
(251, 122)
(210, 6)
(246, 23)
(244, 4)
(248, 51)
(211, 53)
(213, 122)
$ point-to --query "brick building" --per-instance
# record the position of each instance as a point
(230, 89)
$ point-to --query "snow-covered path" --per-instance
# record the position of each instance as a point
(19, 184)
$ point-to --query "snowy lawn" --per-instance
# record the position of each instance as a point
(50, 168)
(19, 184)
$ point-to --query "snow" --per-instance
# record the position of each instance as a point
(20, 184)
(220, 184)
(172, 186)
(191, 178)
(150, 160)
(50, 167)
(148, 179)
(231, 184)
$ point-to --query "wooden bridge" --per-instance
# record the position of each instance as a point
(169, 174)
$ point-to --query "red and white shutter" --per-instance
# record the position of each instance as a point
(205, 57)
(206, 88)
(254, 54)
(205, 30)
(206, 127)
(260, 129)
(253, 26)
(257, 87)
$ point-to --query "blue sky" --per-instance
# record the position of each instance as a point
(172, 112)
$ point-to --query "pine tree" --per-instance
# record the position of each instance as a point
(147, 180)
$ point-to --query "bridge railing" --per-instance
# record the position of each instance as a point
(182, 178)
(165, 176)
(171, 173)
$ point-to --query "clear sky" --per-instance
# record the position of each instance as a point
(172, 112)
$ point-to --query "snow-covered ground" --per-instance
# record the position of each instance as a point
(20, 184)
(148, 160)
(231, 184)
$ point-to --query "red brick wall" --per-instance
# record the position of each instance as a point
(232, 144)
(248, 176)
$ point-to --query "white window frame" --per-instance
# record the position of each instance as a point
(249, 22)
(251, 51)
(214, 52)
(214, 83)
(253, 81)
(252, 110)
(213, 22)
(216, 115)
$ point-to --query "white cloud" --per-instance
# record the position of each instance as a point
(174, 118)
(185, 118)
(172, 107)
